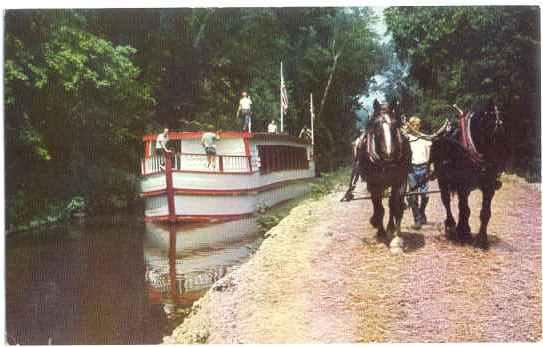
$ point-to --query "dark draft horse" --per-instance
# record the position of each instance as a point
(384, 162)
(468, 160)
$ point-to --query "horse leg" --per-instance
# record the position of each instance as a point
(395, 207)
(463, 230)
(482, 238)
(376, 219)
(391, 224)
(450, 223)
(396, 213)
(355, 173)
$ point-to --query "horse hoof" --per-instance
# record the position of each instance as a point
(396, 246)
(481, 242)
(381, 235)
(396, 251)
(465, 237)
(450, 233)
(347, 197)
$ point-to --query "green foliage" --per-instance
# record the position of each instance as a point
(83, 86)
(76, 204)
(267, 222)
(74, 102)
(328, 182)
(465, 55)
(53, 211)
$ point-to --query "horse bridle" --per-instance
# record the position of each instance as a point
(372, 153)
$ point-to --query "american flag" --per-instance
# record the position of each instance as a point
(284, 97)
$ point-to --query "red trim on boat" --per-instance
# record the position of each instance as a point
(189, 191)
(248, 152)
(153, 193)
(169, 187)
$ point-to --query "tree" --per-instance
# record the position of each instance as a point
(82, 86)
(73, 110)
(466, 54)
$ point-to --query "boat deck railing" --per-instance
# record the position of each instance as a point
(197, 162)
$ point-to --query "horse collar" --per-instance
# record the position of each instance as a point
(469, 144)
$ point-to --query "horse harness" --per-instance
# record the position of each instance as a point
(371, 151)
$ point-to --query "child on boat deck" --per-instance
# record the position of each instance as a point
(208, 141)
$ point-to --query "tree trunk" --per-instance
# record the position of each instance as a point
(200, 34)
(327, 131)
(329, 83)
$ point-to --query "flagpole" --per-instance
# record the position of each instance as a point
(281, 96)
(312, 120)
(312, 124)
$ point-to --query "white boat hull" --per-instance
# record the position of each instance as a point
(216, 205)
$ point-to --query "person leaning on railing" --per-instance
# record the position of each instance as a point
(208, 141)
(162, 146)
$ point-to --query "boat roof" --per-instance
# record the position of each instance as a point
(189, 135)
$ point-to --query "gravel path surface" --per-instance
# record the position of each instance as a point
(321, 276)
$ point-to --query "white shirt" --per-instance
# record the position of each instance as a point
(245, 103)
(272, 128)
(162, 140)
(420, 149)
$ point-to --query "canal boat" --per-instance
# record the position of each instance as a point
(251, 172)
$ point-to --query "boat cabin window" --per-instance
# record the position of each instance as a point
(279, 158)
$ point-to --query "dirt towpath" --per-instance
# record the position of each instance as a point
(321, 277)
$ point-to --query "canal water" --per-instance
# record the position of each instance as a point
(115, 281)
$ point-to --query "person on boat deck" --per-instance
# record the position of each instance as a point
(162, 146)
(418, 173)
(208, 141)
(305, 133)
(272, 127)
(244, 110)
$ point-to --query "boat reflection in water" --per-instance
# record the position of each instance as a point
(183, 261)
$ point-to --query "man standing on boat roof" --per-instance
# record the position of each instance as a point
(272, 127)
(162, 146)
(305, 133)
(244, 109)
(208, 141)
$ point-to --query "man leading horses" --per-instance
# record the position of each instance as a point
(418, 172)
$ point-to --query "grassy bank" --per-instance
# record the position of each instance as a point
(320, 187)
